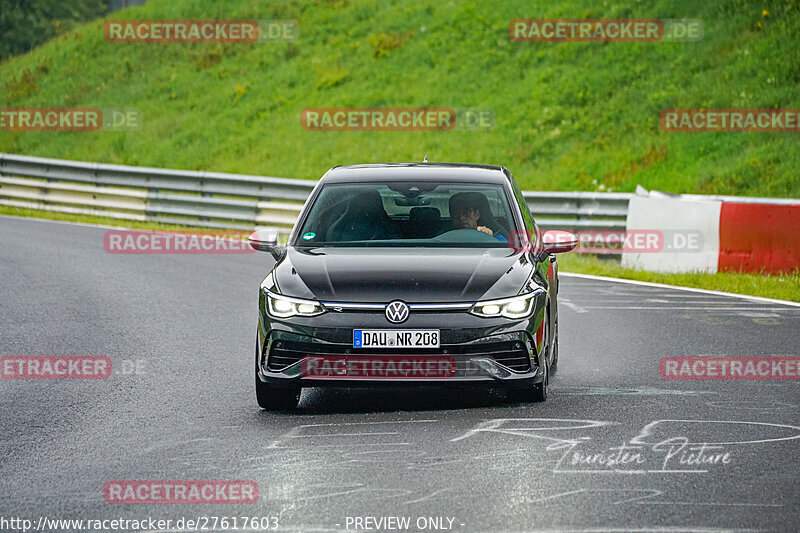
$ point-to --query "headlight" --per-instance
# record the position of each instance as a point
(516, 307)
(283, 307)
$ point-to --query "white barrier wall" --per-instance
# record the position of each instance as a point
(690, 230)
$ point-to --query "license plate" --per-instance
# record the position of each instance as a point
(395, 338)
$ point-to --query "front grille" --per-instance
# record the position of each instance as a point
(513, 355)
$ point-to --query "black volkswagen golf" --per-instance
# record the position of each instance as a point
(409, 273)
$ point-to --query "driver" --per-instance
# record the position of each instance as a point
(465, 213)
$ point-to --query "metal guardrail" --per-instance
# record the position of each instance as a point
(193, 198)
(219, 200)
(578, 210)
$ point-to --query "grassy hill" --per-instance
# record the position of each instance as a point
(570, 116)
(25, 24)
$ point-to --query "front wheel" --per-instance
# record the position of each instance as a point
(274, 398)
(538, 392)
(554, 348)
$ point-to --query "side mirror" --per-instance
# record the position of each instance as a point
(266, 240)
(556, 241)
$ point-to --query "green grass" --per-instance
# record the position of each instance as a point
(28, 23)
(782, 287)
(570, 116)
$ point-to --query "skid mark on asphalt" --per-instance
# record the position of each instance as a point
(598, 296)
(644, 497)
(714, 310)
(364, 493)
(490, 459)
(759, 315)
(572, 306)
(498, 425)
(312, 432)
(735, 427)
(659, 529)
(600, 529)
(625, 391)
(764, 405)
(431, 496)
(708, 320)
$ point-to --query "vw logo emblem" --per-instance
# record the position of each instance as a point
(396, 312)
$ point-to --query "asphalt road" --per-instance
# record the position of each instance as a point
(179, 330)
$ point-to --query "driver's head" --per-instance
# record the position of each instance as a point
(464, 210)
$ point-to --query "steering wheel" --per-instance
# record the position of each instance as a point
(465, 235)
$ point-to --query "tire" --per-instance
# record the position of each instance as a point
(540, 391)
(275, 398)
(536, 393)
(554, 348)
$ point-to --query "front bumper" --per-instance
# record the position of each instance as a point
(488, 351)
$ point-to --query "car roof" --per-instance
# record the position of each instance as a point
(458, 172)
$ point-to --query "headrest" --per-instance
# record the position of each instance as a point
(424, 215)
(472, 200)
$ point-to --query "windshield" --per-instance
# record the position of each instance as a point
(409, 213)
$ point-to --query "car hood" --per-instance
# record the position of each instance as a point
(414, 275)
